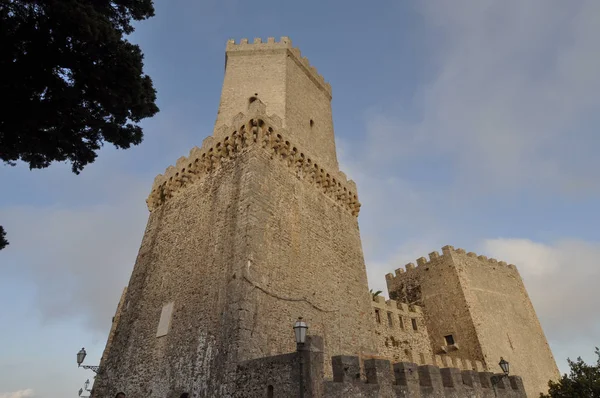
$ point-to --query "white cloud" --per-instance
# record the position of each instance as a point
(514, 101)
(27, 393)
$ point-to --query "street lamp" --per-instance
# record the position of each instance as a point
(300, 328)
(85, 388)
(496, 378)
(504, 366)
(80, 358)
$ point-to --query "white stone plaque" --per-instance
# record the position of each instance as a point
(165, 320)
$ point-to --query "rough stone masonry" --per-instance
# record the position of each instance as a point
(259, 226)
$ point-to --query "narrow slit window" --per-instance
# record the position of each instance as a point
(449, 339)
(377, 317)
(414, 324)
(401, 322)
(270, 392)
(390, 322)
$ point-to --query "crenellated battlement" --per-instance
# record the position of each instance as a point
(396, 307)
(284, 43)
(253, 130)
(448, 253)
(364, 376)
(386, 379)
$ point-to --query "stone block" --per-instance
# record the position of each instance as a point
(378, 371)
(345, 368)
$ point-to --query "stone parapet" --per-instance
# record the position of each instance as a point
(405, 379)
(435, 258)
(255, 130)
(280, 376)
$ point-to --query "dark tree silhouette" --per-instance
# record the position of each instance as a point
(3, 241)
(70, 80)
(582, 381)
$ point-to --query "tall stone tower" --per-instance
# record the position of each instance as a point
(478, 308)
(250, 231)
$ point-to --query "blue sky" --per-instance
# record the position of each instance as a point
(471, 123)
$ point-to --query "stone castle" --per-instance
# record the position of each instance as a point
(259, 226)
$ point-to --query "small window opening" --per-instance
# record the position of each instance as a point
(390, 322)
(251, 100)
(449, 339)
(270, 392)
(377, 317)
(401, 322)
(414, 324)
(312, 123)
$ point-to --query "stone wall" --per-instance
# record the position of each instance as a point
(279, 377)
(435, 286)
(400, 332)
(194, 245)
(505, 319)
(483, 304)
(276, 376)
(244, 236)
(113, 328)
(306, 260)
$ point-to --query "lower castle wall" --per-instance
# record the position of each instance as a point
(278, 376)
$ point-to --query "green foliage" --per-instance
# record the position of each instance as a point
(374, 294)
(3, 241)
(583, 380)
(70, 79)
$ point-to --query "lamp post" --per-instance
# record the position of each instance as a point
(300, 328)
(85, 388)
(80, 358)
(504, 365)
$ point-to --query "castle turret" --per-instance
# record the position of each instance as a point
(477, 307)
(291, 88)
(254, 228)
